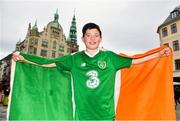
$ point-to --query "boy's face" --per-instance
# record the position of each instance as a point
(92, 39)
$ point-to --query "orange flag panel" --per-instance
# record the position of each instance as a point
(146, 91)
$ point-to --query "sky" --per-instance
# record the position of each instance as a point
(128, 26)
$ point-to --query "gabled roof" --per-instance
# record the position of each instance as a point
(170, 18)
(173, 16)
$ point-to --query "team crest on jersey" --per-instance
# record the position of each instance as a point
(102, 64)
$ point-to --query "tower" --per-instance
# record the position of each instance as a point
(56, 18)
(72, 38)
(34, 30)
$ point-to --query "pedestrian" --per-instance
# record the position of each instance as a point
(1, 93)
(177, 95)
(93, 71)
(6, 94)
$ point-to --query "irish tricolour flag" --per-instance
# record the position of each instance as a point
(146, 92)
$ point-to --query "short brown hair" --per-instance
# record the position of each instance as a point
(91, 26)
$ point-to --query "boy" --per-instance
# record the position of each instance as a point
(93, 73)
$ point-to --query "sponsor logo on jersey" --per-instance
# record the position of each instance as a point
(93, 81)
(101, 64)
(83, 64)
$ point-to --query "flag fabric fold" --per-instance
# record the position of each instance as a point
(146, 91)
(39, 93)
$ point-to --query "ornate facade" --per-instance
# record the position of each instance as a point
(169, 33)
(51, 42)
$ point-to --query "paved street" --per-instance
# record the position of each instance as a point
(178, 112)
(3, 110)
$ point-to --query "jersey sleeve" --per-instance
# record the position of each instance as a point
(37, 59)
(120, 62)
(64, 62)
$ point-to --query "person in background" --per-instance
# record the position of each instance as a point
(1, 93)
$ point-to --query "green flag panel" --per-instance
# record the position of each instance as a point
(40, 93)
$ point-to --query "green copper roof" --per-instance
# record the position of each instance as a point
(55, 22)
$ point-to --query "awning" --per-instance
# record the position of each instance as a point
(176, 83)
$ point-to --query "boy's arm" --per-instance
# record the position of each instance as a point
(44, 65)
(164, 52)
(44, 62)
(64, 62)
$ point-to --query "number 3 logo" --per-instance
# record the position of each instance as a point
(93, 80)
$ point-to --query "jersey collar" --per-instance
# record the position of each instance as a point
(97, 51)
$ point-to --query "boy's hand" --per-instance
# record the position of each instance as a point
(164, 52)
(17, 57)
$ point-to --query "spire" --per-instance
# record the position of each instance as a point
(57, 11)
(19, 41)
(73, 32)
(74, 11)
(56, 17)
(34, 30)
(35, 26)
(36, 23)
(29, 30)
(29, 27)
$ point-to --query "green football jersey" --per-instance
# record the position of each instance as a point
(94, 81)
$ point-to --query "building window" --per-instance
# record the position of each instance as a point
(53, 54)
(44, 53)
(174, 14)
(177, 64)
(56, 32)
(34, 42)
(164, 32)
(44, 44)
(60, 54)
(54, 45)
(32, 50)
(176, 45)
(173, 28)
(68, 50)
(61, 48)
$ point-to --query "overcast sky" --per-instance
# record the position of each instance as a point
(128, 26)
